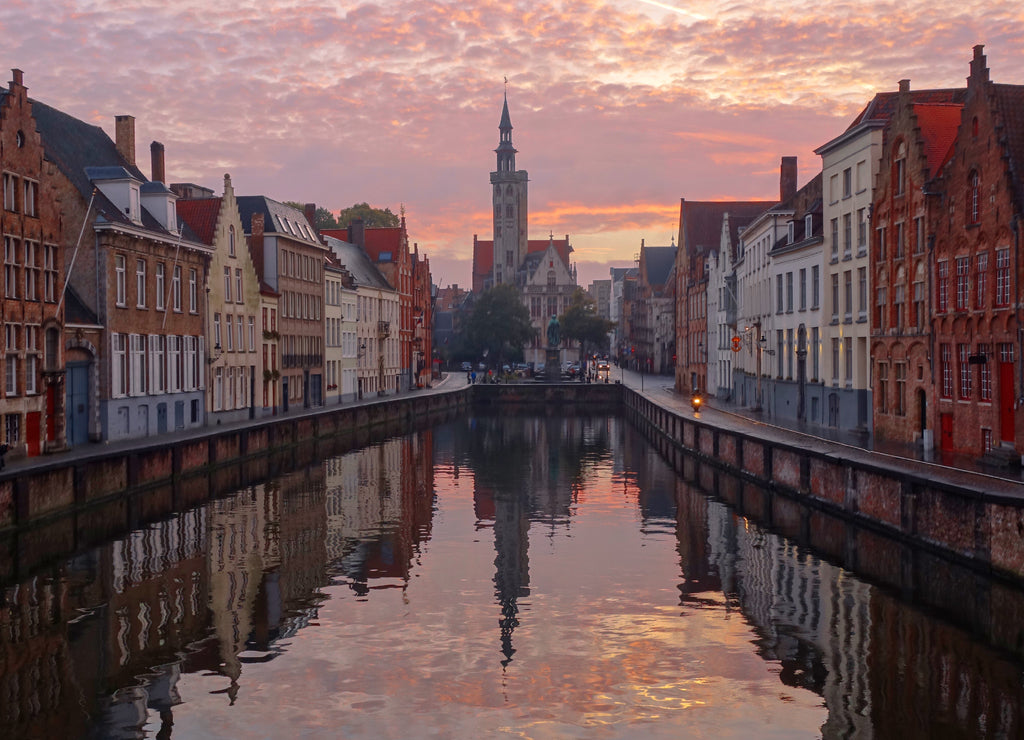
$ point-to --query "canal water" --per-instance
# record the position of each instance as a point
(498, 576)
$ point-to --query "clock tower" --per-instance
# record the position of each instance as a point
(508, 189)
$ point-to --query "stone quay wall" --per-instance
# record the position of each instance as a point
(970, 518)
(76, 482)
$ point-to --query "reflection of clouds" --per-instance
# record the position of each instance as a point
(405, 95)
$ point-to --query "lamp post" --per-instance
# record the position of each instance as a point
(759, 341)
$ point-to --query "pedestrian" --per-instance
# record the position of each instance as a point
(472, 377)
(3, 452)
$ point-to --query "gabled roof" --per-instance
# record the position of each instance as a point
(883, 105)
(700, 222)
(939, 124)
(278, 218)
(658, 263)
(1010, 102)
(201, 216)
(358, 263)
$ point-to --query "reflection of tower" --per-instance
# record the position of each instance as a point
(512, 563)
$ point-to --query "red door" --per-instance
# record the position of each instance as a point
(946, 432)
(1006, 401)
(32, 420)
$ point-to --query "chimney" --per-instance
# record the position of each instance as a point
(357, 233)
(904, 86)
(124, 137)
(17, 79)
(310, 212)
(787, 179)
(156, 152)
(979, 68)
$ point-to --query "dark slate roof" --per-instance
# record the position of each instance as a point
(276, 216)
(700, 222)
(357, 262)
(659, 262)
(1010, 102)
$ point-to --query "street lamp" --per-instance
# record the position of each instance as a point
(760, 341)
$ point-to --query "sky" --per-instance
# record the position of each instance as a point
(619, 108)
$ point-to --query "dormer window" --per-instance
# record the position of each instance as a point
(133, 212)
(791, 232)
(808, 225)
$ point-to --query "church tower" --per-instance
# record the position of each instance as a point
(508, 188)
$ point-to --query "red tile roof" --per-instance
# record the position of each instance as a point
(201, 216)
(938, 124)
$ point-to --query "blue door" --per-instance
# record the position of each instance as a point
(161, 418)
(78, 403)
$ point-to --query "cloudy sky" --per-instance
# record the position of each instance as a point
(620, 108)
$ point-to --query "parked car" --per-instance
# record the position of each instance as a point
(467, 366)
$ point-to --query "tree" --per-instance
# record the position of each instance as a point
(581, 323)
(372, 217)
(499, 325)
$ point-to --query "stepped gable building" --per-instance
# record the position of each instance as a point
(700, 231)
(136, 354)
(32, 406)
(977, 269)
(289, 259)
(651, 309)
(236, 387)
(539, 268)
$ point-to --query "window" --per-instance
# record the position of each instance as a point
(790, 353)
(193, 296)
(898, 298)
(862, 293)
(789, 292)
(780, 349)
(898, 247)
(140, 283)
(227, 284)
(176, 288)
(229, 333)
(880, 243)
(173, 364)
(919, 314)
(919, 240)
(981, 280)
(240, 334)
(835, 297)
(862, 230)
(815, 298)
(883, 388)
(942, 286)
(50, 273)
(32, 271)
(946, 370)
(899, 170)
(120, 280)
(835, 361)
(10, 191)
(835, 239)
(216, 331)
(231, 240)
(862, 176)
(963, 352)
(137, 349)
(252, 333)
(848, 295)
(901, 388)
(11, 375)
(160, 287)
(847, 235)
(881, 299)
(238, 285)
(157, 366)
(31, 195)
(973, 198)
(985, 351)
(1002, 277)
(847, 182)
(963, 283)
(778, 294)
(119, 367)
(12, 429)
(803, 288)
(218, 389)
(833, 188)
(189, 364)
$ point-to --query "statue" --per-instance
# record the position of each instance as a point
(554, 332)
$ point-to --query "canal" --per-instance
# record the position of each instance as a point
(494, 576)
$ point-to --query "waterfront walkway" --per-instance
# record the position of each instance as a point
(658, 389)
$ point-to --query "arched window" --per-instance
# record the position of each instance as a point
(974, 127)
(508, 211)
(231, 240)
(973, 197)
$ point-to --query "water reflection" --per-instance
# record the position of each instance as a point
(535, 576)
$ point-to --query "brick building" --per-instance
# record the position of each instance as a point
(32, 406)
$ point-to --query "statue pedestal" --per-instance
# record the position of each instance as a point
(552, 366)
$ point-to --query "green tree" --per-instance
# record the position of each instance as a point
(499, 325)
(581, 323)
(372, 217)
